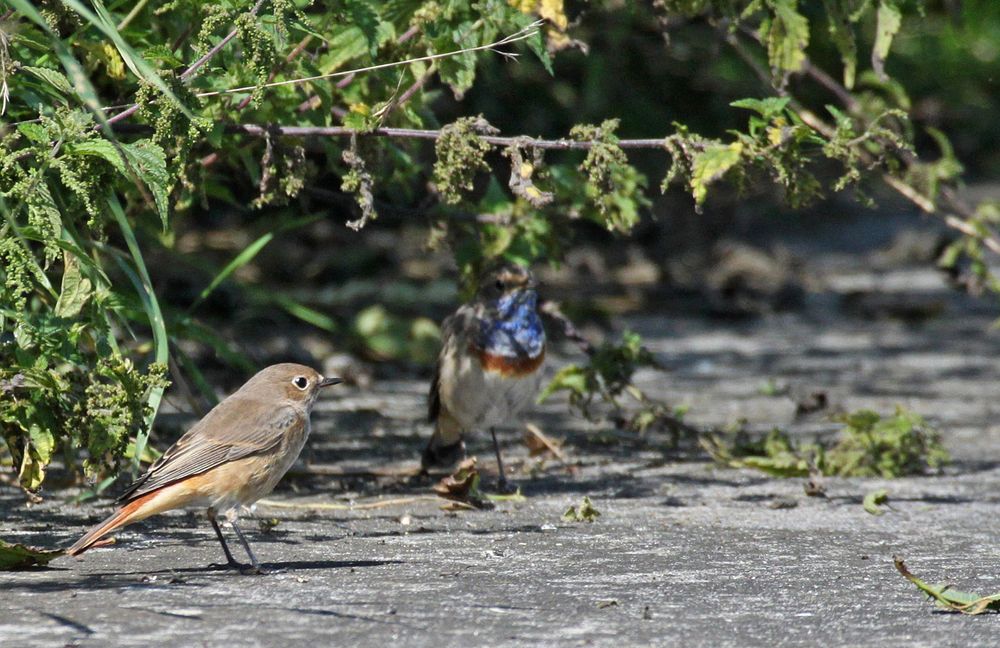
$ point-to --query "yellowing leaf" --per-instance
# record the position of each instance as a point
(710, 165)
(787, 36)
(889, 20)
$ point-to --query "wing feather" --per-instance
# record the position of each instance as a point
(230, 431)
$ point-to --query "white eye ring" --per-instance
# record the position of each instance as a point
(301, 382)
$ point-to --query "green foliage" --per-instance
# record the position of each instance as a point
(613, 186)
(608, 373)
(868, 446)
(84, 206)
(460, 154)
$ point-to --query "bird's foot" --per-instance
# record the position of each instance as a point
(506, 486)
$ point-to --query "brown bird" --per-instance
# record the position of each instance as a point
(229, 459)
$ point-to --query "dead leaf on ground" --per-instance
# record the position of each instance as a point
(19, 556)
(950, 599)
(539, 444)
(462, 486)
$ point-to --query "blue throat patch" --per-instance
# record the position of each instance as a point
(517, 330)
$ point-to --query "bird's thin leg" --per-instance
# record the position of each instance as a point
(222, 540)
(246, 545)
(502, 484)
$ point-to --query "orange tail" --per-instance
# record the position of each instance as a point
(125, 515)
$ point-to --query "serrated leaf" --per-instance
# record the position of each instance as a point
(147, 160)
(710, 165)
(19, 556)
(54, 78)
(34, 132)
(150, 163)
(889, 18)
(76, 289)
(364, 17)
(768, 108)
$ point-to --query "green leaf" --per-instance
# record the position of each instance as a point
(150, 164)
(76, 289)
(364, 17)
(874, 500)
(787, 36)
(147, 160)
(34, 132)
(768, 108)
(42, 442)
(710, 165)
(54, 78)
(572, 378)
(889, 20)
(19, 556)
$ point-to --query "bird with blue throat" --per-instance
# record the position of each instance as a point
(229, 459)
(489, 368)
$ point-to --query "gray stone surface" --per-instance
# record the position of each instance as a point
(684, 553)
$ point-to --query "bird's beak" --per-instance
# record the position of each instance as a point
(329, 382)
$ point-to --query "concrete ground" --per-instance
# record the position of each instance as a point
(683, 553)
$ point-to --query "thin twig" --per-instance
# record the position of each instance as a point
(258, 130)
(527, 32)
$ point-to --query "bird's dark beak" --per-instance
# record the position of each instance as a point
(329, 382)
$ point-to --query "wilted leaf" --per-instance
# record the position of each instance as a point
(463, 486)
(955, 600)
(874, 500)
(19, 556)
(585, 512)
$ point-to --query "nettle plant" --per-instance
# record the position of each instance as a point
(123, 119)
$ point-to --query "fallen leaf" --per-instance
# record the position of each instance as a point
(874, 500)
(954, 600)
(19, 556)
(583, 513)
(463, 486)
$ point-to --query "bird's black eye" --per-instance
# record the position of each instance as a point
(301, 382)
(499, 285)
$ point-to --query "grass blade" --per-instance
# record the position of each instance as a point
(144, 287)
